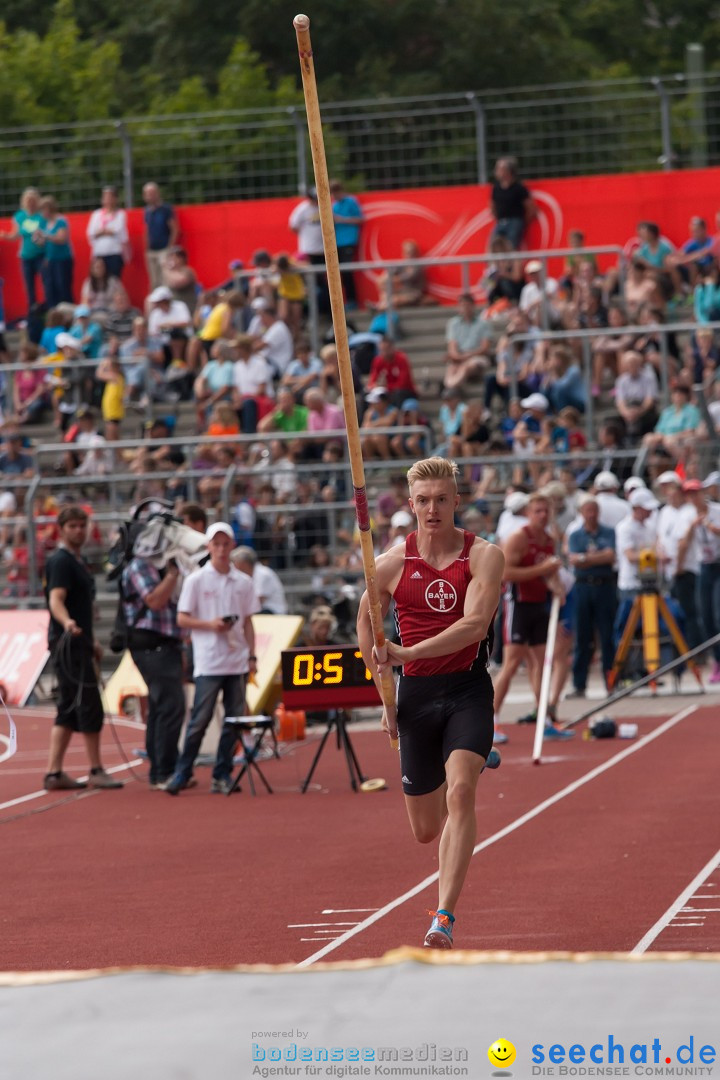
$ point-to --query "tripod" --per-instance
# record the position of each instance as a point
(337, 720)
(648, 606)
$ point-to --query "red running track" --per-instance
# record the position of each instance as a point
(587, 852)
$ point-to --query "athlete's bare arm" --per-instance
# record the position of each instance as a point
(515, 551)
(389, 569)
(481, 600)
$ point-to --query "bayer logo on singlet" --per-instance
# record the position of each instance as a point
(441, 595)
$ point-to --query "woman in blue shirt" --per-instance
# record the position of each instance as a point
(27, 227)
(57, 269)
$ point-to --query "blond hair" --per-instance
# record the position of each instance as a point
(433, 468)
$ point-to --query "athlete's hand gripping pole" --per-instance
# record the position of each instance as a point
(322, 186)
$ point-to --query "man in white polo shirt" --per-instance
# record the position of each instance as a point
(216, 604)
(633, 534)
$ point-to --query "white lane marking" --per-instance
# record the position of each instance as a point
(305, 925)
(9, 749)
(502, 833)
(345, 910)
(39, 794)
(687, 894)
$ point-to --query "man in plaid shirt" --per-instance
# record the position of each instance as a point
(150, 604)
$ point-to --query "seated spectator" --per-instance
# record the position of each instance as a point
(13, 460)
(215, 382)
(653, 251)
(469, 343)
(391, 369)
(702, 356)
(218, 326)
(223, 420)
(99, 289)
(277, 463)
(706, 296)
(567, 434)
(636, 394)
(405, 286)
(379, 416)
(607, 348)
(272, 337)
(413, 445)
(291, 291)
(304, 371)
(563, 382)
(31, 393)
(88, 332)
(322, 416)
(252, 384)
(611, 440)
(695, 258)
(677, 424)
(536, 408)
(503, 279)
(538, 294)
(119, 319)
(169, 320)
(87, 458)
(288, 417)
(320, 628)
(330, 377)
(514, 358)
(137, 354)
(571, 267)
(450, 418)
(54, 325)
(110, 372)
(180, 278)
(638, 289)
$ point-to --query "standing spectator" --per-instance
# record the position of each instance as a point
(28, 229)
(635, 533)
(349, 219)
(511, 203)
(679, 550)
(70, 593)
(305, 223)
(154, 637)
(107, 233)
(391, 368)
(592, 557)
(267, 584)
(57, 269)
(161, 229)
(469, 343)
(705, 531)
(216, 604)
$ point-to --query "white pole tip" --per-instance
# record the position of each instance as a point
(301, 22)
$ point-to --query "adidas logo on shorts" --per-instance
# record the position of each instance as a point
(406, 781)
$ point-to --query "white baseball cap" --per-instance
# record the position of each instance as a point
(533, 267)
(259, 304)
(643, 498)
(67, 341)
(401, 519)
(669, 477)
(606, 481)
(632, 483)
(219, 527)
(516, 502)
(535, 401)
(161, 293)
(711, 479)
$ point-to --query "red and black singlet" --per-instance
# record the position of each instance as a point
(427, 601)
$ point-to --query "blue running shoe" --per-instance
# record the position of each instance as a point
(552, 732)
(493, 760)
(440, 934)
(499, 738)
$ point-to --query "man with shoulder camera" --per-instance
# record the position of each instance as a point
(154, 637)
(216, 604)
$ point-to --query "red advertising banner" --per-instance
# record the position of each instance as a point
(23, 652)
(443, 221)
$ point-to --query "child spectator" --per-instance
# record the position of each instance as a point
(110, 372)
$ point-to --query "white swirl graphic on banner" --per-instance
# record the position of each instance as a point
(467, 234)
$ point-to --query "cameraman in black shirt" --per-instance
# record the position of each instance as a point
(70, 592)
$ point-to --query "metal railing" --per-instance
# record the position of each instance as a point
(566, 129)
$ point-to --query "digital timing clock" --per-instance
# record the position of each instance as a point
(331, 677)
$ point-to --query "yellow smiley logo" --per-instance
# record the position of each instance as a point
(501, 1054)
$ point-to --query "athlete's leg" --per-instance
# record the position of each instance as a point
(463, 768)
(427, 813)
(536, 656)
(562, 662)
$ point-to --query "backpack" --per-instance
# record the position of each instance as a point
(118, 558)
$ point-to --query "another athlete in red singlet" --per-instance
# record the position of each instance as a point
(446, 585)
(530, 571)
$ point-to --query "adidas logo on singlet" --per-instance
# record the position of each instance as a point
(406, 781)
(417, 574)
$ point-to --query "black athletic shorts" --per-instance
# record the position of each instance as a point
(438, 714)
(79, 705)
(525, 622)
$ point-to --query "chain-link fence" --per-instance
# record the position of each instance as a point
(569, 129)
